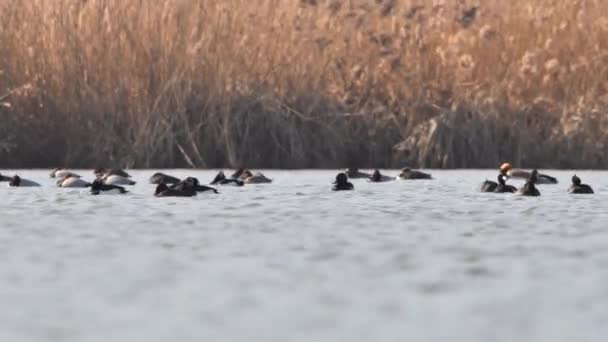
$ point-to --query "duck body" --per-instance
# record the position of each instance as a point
(488, 186)
(63, 173)
(17, 181)
(117, 180)
(377, 177)
(529, 189)
(342, 183)
(160, 177)
(221, 179)
(191, 183)
(502, 186)
(98, 187)
(354, 173)
(407, 173)
(72, 182)
(578, 188)
(102, 172)
(162, 190)
(257, 178)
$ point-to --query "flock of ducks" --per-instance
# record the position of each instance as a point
(115, 180)
(506, 171)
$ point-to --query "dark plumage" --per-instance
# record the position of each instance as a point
(222, 180)
(160, 177)
(191, 183)
(99, 187)
(529, 189)
(502, 186)
(342, 183)
(162, 190)
(578, 188)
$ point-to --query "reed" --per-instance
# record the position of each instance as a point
(309, 83)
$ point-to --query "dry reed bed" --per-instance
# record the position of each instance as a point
(309, 83)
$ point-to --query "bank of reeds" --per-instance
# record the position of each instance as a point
(308, 83)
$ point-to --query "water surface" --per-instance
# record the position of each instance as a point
(291, 261)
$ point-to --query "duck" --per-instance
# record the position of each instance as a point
(523, 174)
(72, 182)
(160, 177)
(102, 172)
(63, 173)
(162, 190)
(17, 181)
(342, 183)
(529, 189)
(502, 185)
(407, 173)
(377, 177)
(193, 184)
(578, 188)
(117, 180)
(354, 173)
(489, 186)
(222, 180)
(257, 178)
(99, 187)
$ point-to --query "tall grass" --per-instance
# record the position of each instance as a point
(309, 83)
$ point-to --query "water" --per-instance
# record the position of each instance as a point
(292, 261)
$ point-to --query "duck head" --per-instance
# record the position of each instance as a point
(504, 168)
(4, 178)
(220, 177)
(376, 176)
(14, 181)
(576, 181)
(533, 176)
(341, 179)
(192, 181)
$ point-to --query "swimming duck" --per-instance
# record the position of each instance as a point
(222, 180)
(407, 173)
(257, 178)
(102, 172)
(529, 189)
(342, 183)
(160, 177)
(63, 173)
(523, 174)
(162, 190)
(117, 180)
(72, 182)
(354, 173)
(17, 181)
(99, 187)
(191, 183)
(502, 185)
(489, 186)
(377, 177)
(578, 188)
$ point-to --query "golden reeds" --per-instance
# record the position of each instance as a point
(286, 83)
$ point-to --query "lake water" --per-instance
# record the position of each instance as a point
(291, 261)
